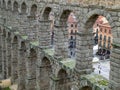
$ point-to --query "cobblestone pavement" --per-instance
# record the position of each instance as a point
(104, 68)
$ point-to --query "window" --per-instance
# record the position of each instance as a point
(71, 37)
(109, 31)
(101, 29)
(100, 44)
(105, 30)
(104, 38)
(71, 31)
(100, 36)
(75, 25)
(108, 45)
(71, 25)
(104, 44)
(109, 39)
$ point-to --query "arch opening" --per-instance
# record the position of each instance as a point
(15, 6)
(86, 88)
(23, 8)
(9, 5)
(63, 83)
(64, 17)
(33, 11)
(45, 71)
(46, 13)
(99, 45)
(4, 4)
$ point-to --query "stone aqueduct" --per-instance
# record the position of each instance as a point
(25, 42)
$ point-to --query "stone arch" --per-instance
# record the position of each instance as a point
(9, 5)
(15, 6)
(46, 13)
(31, 69)
(33, 11)
(22, 72)
(64, 16)
(45, 72)
(91, 17)
(86, 88)
(4, 4)
(14, 72)
(23, 8)
(63, 83)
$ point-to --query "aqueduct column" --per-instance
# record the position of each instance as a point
(44, 34)
(22, 66)
(0, 49)
(61, 43)
(84, 53)
(14, 72)
(4, 53)
(31, 70)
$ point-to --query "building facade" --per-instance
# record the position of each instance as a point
(102, 35)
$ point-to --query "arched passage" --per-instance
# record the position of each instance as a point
(85, 43)
(63, 82)
(15, 6)
(22, 66)
(86, 88)
(8, 53)
(33, 11)
(31, 70)
(4, 4)
(64, 17)
(14, 72)
(45, 72)
(9, 5)
(23, 8)
(46, 13)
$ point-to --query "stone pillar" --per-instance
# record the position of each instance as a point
(44, 34)
(8, 57)
(31, 70)
(22, 68)
(84, 53)
(61, 41)
(14, 66)
(4, 55)
(114, 82)
(31, 30)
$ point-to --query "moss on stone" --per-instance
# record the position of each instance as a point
(116, 45)
(7, 88)
(35, 43)
(17, 33)
(54, 78)
(24, 37)
(70, 63)
(49, 51)
(96, 79)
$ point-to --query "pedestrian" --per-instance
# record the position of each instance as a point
(99, 68)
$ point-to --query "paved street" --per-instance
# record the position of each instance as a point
(104, 68)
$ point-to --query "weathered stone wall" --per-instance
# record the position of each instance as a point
(25, 60)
